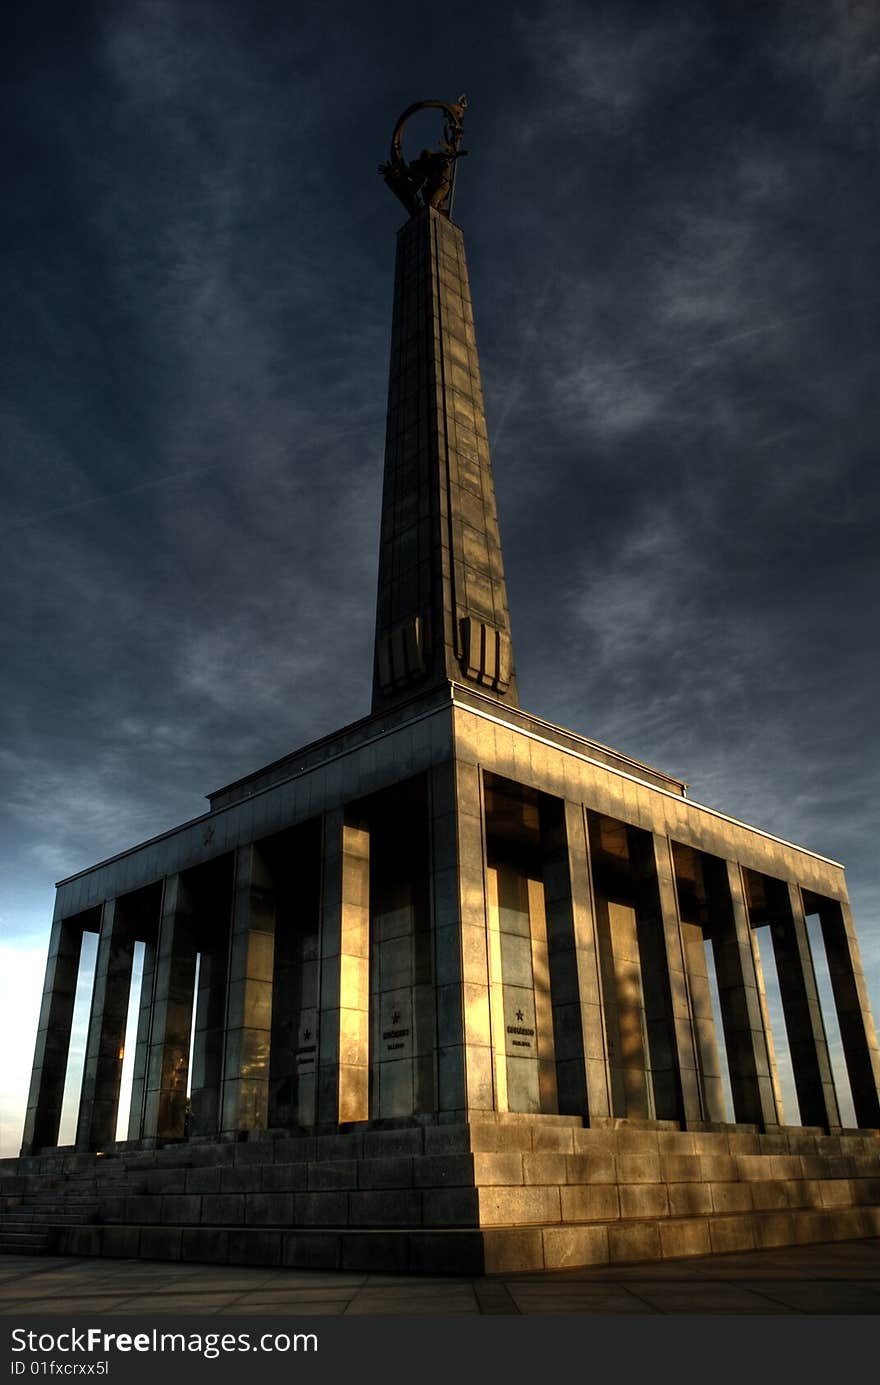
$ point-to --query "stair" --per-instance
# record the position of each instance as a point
(35, 1208)
(501, 1194)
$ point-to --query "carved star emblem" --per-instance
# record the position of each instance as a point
(395, 1018)
(307, 1034)
(520, 1016)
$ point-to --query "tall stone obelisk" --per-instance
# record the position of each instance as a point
(442, 613)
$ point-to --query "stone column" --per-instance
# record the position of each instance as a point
(765, 1020)
(800, 1003)
(749, 1054)
(249, 995)
(548, 1090)
(520, 1006)
(857, 1031)
(496, 990)
(102, 1069)
(344, 1040)
(458, 873)
(622, 954)
(53, 1036)
(206, 1060)
(168, 1061)
(295, 990)
(700, 993)
(582, 1075)
(678, 1030)
(142, 1043)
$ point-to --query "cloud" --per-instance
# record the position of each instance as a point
(602, 68)
(835, 45)
(715, 290)
(62, 810)
(21, 985)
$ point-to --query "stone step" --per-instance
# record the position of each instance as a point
(73, 1184)
(509, 1249)
(514, 1186)
(468, 1250)
(24, 1243)
(53, 1205)
(637, 1123)
(499, 1194)
(485, 1190)
(63, 1195)
(39, 1218)
(504, 1132)
(168, 1191)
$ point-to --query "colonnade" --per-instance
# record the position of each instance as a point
(457, 944)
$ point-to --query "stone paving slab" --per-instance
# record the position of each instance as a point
(839, 1278)
(819, 1295)
(687, 1297)
(252, 1307)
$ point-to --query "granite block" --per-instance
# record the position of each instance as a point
(519, 1206)
(223, 1209)
(680, 1239)
(398, 1207)
(320, 1209)
(285, 1178)
(312, 1250)
(590, 1202)
(205, 1245)
(254, 1246)
(633, 1242)
(386, 1171)
(643, 1200)
(689, 1199)
(450, 1207)
(566, 1247)
(328, 1174)
(269, 1209)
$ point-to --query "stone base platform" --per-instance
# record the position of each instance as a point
(496, 1195)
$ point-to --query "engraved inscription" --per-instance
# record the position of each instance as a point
(306, 1051)
(519, 1027)
(395, 1036)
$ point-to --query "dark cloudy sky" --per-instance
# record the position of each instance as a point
(672, 221)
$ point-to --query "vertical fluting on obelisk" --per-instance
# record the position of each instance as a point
(442, 613)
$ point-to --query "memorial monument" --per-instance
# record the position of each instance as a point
(436, 992)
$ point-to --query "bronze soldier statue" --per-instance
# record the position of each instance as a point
(429, 180)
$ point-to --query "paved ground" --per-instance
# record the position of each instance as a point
(843, 1277)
